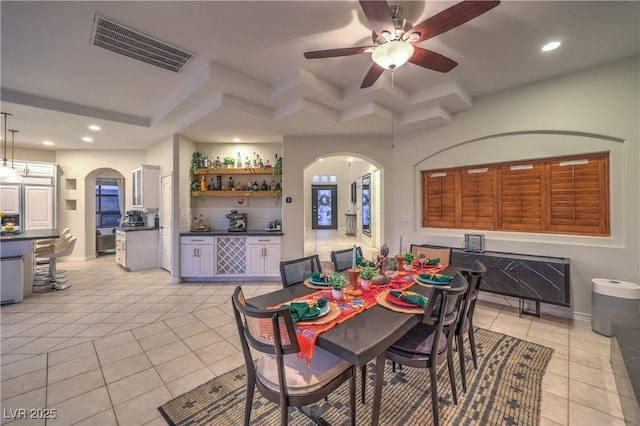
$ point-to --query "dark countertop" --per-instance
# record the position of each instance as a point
(254, 233)
(35, 234)
(136, 228)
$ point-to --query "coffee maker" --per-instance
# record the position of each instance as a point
(237, 221)
(134, 218)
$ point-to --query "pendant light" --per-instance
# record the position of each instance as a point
(15, 178)
(6, 171)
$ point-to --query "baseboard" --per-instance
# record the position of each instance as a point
(545, 308)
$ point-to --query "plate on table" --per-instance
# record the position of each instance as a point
(426, 265)
(323, 311)
(400, 302)
(321, 283)
(424, 278)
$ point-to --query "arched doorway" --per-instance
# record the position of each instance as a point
(104, 207)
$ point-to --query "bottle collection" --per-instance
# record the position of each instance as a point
(211, 161)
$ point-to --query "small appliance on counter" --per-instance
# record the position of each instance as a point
(134, 218)
(11, 224)
(237, 221)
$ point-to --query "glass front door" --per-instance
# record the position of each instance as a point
(324, 204)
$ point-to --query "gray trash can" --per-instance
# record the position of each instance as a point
(614, 301)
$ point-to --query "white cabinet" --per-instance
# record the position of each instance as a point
(138, 249)
(38, 207)
(35, 169)
(145, 187)
(263, 256)
(196, 256)
(10, 199)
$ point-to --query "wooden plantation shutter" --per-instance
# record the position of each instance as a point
(476, 206)
(579, 195)
(520, 188)
(438, 198)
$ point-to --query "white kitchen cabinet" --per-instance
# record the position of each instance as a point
(38, 207)
(263, 256)
(145, 187)
(10, 199)
(138, 249)
(35, 169)
(196, 256)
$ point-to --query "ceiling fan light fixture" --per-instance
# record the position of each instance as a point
(393, 54)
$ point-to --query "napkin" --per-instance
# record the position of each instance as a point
(304, 310)
(318, 276)
(360, 261)
(434, 261)
(410, 297)
(440, 278)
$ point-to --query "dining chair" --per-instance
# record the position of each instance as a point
(429, 343)
(279, 374)
(465, 320)
(431, 253)
(343, 259)
(297, 270)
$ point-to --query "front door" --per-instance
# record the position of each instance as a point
(324, 206)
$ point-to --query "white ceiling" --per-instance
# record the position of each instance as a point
(249, 77)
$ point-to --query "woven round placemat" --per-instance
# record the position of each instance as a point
(334, 313)
(382, 301)
(316, 287)
(417, 281)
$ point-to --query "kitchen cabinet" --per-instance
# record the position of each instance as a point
(38, 207)
(263, 256)
(35, 169)
(137, 249)
(231, 256)
(241, 177)
(196, 256)
(10, 199)
(145, 187)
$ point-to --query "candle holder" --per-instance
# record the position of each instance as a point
(400, 260)
(354, 285)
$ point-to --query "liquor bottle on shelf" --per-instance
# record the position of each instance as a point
(255, 160)
(264, 186)
(239, 161)
(203, 183)
(255, 186)
(247, 163)
(218, 163)
(230, 185)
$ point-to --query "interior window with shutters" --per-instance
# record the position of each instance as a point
(567, 195)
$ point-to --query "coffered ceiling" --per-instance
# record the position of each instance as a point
(248, 77)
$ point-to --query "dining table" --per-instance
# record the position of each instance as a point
(363, 337)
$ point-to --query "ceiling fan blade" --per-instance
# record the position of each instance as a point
(372, 75)
(432, 60)
(450, 18)
(331, 53)
(378, 14)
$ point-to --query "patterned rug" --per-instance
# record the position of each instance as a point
(505, 390)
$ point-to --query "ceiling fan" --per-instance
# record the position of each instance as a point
(395, 40)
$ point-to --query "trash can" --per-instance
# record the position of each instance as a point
(614, 301)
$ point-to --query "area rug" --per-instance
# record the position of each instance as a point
(505, 390)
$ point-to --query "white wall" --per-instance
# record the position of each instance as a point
(589, 111)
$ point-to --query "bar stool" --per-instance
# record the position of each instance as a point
(52, 281)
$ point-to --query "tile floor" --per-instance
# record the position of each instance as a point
(116, 345)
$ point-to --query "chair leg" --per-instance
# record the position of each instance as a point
(433, 373)
(352, 393)
(251, 385)
(463, 371)
(363, 382)
(284, 414)
(452, 373)
(472, 344)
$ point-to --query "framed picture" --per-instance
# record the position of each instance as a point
(474, 242)
(353, 193)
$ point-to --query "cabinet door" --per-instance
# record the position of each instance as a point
(38, 204)
(189, 267)
(255, 260)
(10, 199)
(136, 187)
(205, 260)
(272, 260)
(35, 169)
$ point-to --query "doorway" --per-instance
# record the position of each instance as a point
(324, 207)
(165, 222)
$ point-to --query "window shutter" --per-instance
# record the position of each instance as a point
(521, 197)
(477, 203)
(579, 195)
(438, 199)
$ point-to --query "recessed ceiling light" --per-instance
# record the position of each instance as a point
(236, 139)
(94, 127)
(551, 46)
(47, 143)
(87, 139)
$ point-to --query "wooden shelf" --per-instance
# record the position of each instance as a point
(236, 171)
(238, 193)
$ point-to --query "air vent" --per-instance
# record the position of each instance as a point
(125, 41)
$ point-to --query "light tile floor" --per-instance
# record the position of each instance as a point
(116, 345)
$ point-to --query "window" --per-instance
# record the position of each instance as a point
(568, 195)
(107, 204)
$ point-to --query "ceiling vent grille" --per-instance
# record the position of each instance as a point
(125, 41)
